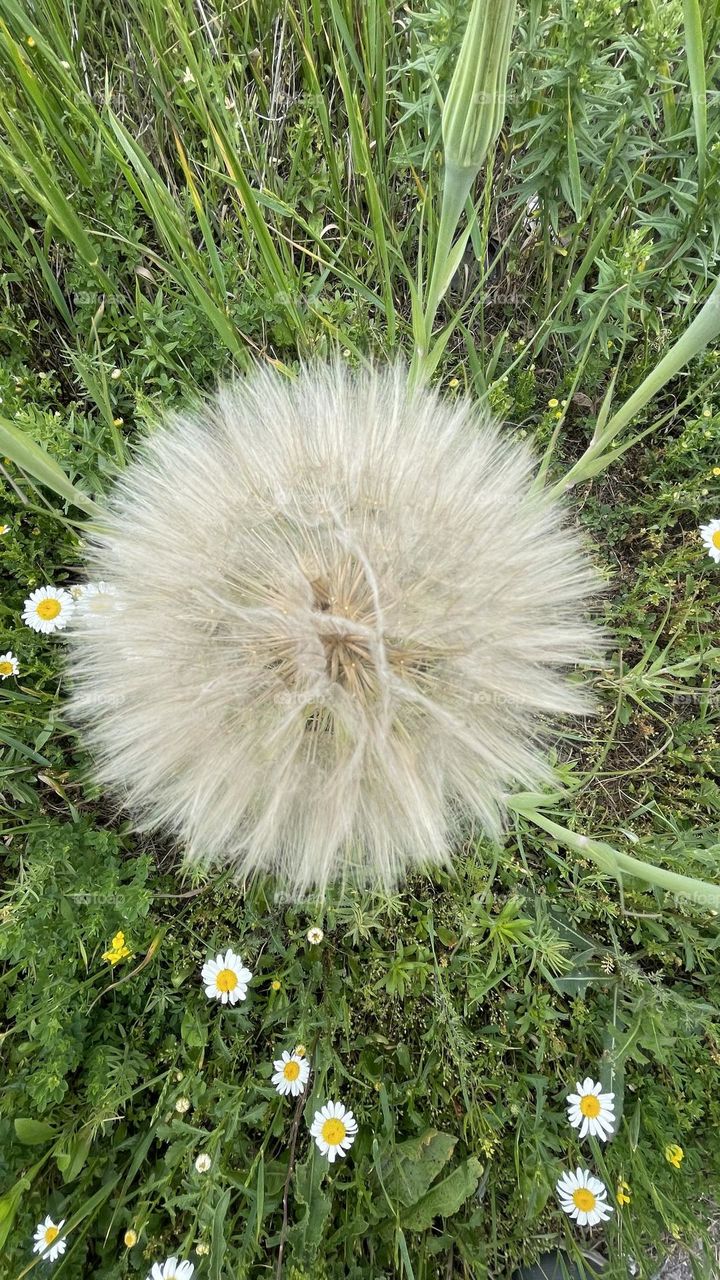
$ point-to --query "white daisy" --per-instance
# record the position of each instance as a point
(8, 665)
(47, 1239)
(591, 1111)
(172, 1269)
(334, 1130)
(291, 1073)
(48, 609)
(583, 1197)
(710, 534)
(96, 599)
(225, 978)
(315, 936)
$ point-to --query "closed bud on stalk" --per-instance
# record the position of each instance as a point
(471, 120)
(475, 104)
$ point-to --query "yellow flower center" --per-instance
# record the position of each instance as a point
(584, 1199)
(291, 1070)
(333, 1131)
(51, 1233)
(48, 609)
(6, 668)
(716, 539)
(590, 1105)
(226, 980)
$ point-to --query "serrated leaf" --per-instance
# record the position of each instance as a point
(446, 1198)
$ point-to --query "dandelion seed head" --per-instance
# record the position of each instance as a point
(343, 617)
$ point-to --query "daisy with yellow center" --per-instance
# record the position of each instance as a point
(315, 936)
(172, 1269)
(710, 534)
(583, 1198)
(592, 1111)
(117, 950)
(8, 665)
(4, 528)
(334, 1130)
(674, 1155)
(225, 978)
(48, 609)
(291, 1073)
(95, 599)
(47, 1239)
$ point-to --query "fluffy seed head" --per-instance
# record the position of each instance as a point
(337, 615)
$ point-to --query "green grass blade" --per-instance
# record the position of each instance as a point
(33, 459)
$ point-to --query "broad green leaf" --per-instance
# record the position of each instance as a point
(446, 1198)
(33, 1132)
(411, 1167)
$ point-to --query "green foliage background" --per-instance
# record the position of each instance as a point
(187, 187)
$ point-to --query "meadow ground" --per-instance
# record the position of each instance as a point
(188, 187)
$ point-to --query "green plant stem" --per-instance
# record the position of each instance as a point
(703, 329)
(456, 189)
(618, 864)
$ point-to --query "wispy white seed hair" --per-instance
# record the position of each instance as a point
(340, 614)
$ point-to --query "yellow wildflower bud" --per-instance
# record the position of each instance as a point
(674, 1154)
(623, 1193)
(130, 1238)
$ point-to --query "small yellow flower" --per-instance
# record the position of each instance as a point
(553, 403)
(117, 950)
(454, 382)
(300, 1050)
(31, 42)
(716, 471)
(674, 1154)
(623, 1193)
(130, 1238)
(275, 985)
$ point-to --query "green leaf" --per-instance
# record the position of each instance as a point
(218, 1241)
(31, 457)
(72, 1159)
(33, 1132)
(307, 1233)
(412, 1166)
(446, 1198)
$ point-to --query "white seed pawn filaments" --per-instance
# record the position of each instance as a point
(342, 614)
